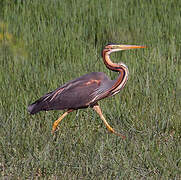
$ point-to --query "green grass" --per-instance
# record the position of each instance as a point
(44, 44)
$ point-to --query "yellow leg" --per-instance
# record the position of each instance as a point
(55, 124)
(98, 110)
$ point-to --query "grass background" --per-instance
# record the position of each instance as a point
(44, 44)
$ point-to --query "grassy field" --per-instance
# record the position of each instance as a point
(44, 44)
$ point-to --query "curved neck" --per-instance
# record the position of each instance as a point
(123, 76)
(107, 61)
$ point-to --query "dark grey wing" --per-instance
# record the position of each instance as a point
(78, 93)
(102, 91)
(75, 96)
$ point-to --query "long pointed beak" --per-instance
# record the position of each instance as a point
(126, 47)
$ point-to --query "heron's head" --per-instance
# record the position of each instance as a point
(120, 47)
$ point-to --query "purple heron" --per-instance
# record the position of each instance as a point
(86, 90)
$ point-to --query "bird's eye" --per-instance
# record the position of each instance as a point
(108, 47)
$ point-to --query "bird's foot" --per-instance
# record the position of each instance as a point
(121, 135)
(54, 129)
(115, 132)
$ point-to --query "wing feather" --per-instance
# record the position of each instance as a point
(78, 93)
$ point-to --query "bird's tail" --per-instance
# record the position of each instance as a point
(39, 105)
(32, 109)
(35, 107)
